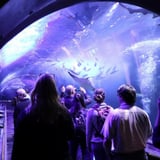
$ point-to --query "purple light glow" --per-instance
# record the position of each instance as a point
(98, 44)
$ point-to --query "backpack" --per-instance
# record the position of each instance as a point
(103, 112)
(79, 120)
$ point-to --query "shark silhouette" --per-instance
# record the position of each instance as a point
(83, 82)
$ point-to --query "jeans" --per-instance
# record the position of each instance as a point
(79, 143)
(98, 151)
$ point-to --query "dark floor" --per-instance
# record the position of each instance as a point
(154, 153)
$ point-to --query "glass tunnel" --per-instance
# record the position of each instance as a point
(92, 45)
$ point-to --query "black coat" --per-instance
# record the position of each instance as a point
(40, 139)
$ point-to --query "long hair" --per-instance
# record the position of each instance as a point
(44, 97)
(78, 103)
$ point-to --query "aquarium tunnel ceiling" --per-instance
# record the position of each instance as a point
(85, 43)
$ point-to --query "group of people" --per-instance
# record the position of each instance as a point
(47, 127)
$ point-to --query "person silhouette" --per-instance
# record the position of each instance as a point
(96, 116)
(21, 101)
(45, 128)
(127, 128)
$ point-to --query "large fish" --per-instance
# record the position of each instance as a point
(83, 82)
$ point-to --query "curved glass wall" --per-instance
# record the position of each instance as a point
(93, 44)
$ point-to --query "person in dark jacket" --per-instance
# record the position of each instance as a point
(78, 113)
(69, 96)
(21, 101)
(45, 128)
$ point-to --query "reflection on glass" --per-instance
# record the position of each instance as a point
(96, 44)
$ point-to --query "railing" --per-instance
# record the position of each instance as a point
(2, 131)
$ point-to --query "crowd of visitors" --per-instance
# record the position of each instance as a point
(73, 125)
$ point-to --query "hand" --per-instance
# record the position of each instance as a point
(63, 89)
(82, 90)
